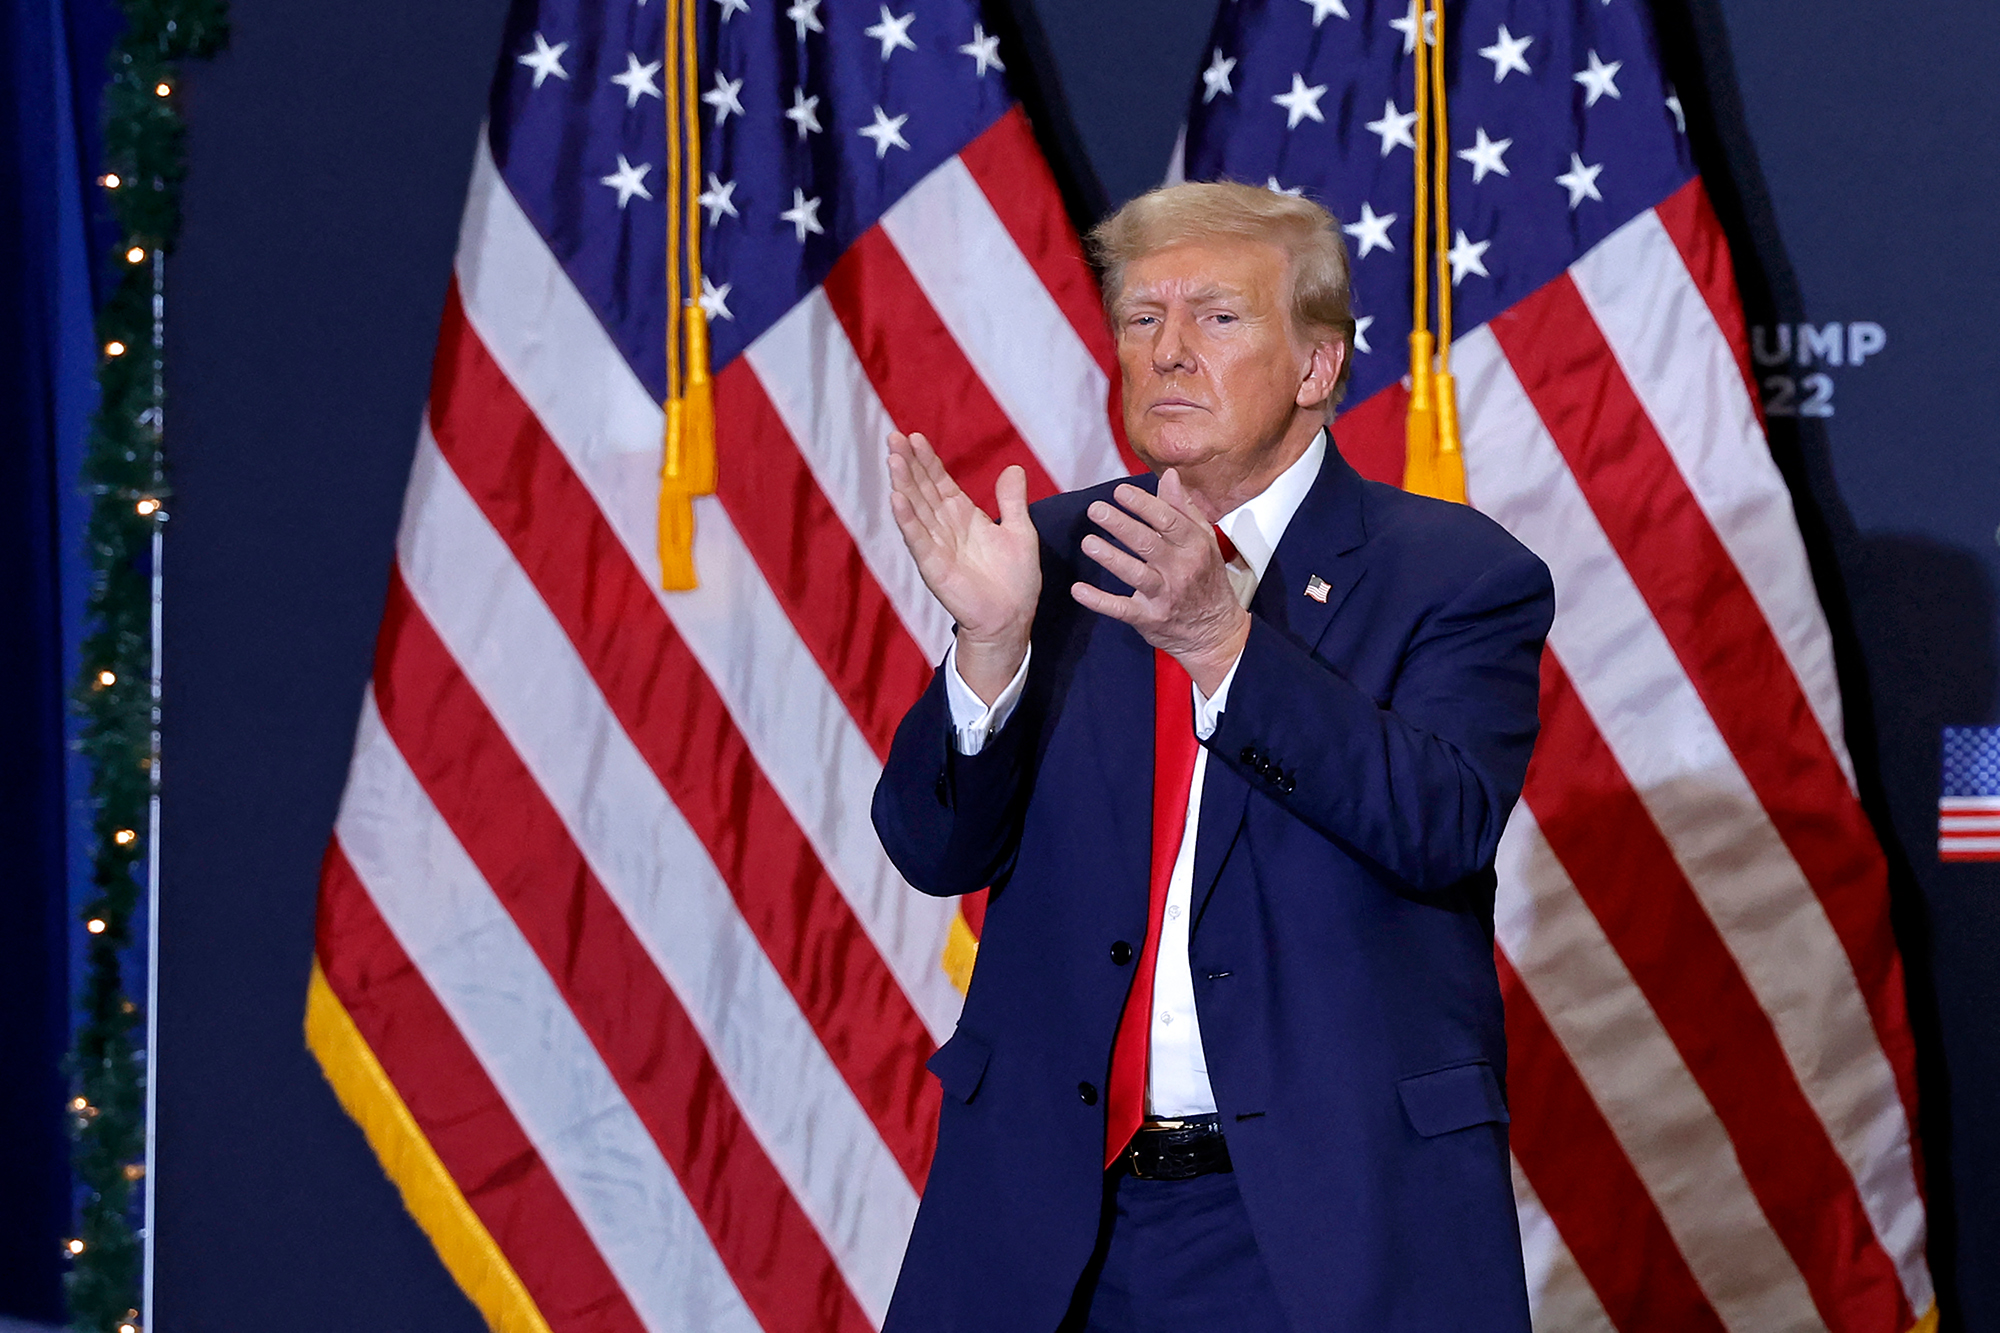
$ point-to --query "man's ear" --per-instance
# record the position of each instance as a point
(1322, 373)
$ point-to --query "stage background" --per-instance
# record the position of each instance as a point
(330, 151)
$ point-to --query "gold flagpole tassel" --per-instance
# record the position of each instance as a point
(1420, 424)
(1447, 480)
(698, 419)
(677, 572)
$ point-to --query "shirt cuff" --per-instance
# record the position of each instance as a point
(1208, 712)
(973, 721)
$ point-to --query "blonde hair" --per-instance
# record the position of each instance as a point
(1322, 295)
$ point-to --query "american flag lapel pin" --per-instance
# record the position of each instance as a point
(1317, 588)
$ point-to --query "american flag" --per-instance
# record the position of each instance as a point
(610, 966)
(1710, 1063)
(1969, 803)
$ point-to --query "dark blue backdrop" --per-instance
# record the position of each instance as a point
(330, 151)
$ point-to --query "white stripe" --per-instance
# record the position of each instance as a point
(1989, 805)
(1009, 326)
(1649, 714)
(515, 653)
(511, 1014)
(817, 384)
(1959, 844)
(1560, 1299)
(557, 355)
(1673, 353)
(1668, 1128)
(1969, 823)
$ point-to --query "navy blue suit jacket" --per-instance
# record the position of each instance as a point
(1342, 945)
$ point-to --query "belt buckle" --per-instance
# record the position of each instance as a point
(1132, 1160)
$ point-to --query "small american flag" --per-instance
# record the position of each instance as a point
(1969, 804)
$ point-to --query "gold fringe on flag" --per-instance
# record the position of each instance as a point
(1433, 463)
(687, 463)
(470, 1255)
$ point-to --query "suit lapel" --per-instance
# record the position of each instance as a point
(1322, 542)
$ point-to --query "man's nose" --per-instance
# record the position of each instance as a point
(1172, 350)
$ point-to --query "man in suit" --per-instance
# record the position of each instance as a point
(1233, 744)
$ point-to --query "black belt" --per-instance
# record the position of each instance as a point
(1176, 1149)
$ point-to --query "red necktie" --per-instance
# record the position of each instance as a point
(1228, 547)
(1174, 750)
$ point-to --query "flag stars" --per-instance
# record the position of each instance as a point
(984, 50)
(804, 215)
(1407, 25)
(1361, 333)
(1598, 79)
(804, 113)
(637, 80)
(1485, 156)
(1680, 116)
(545, 59)
(628, 180)
(893, 33)
(804, 15)
(1321, 8)
(1215, 79)
(885, 133)
(718, 198)
(1371, 232)
(1508, 54)
(715, 300)
(1394, 127)
(1467, 256)
(723, 97)
(1301, 103)
(1274, 187)
(730, 8)
(1580, 181)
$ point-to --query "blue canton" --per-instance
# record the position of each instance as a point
(816, 115)
(1971, 761)
(1562, 130)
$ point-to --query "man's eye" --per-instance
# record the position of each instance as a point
(1224, 317)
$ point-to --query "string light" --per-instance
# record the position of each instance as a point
(162, 89)
(79, 1104)
(147, 507)
(95, 925)
(111, 180)
(136, 255)
(124, 837)
(107, 678)
(135, 1171)
(128, 1327)
(73, 1246)
(114, 348)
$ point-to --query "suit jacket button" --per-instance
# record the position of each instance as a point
(1088, 1092)
(943, 790)
(1121, 953)
(1289, 785)
(1249, 756)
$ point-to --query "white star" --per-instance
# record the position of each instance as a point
(1275, 188)
(1361, 333)
(723, 97)
(803, 214)
(1215, 79)
(730, 7)
(1484, 155)
(804, 113)
(1371, 232)
(715, 300)
(1580, 181)
(637, 80)
(1599, 79)
(718, 199)
(985, 50)
(1465, 258)
(545, 59)
(1301, 102)
(1506, 53)
(1407, 25)
(892, 32)
(885, 133)
(804, 15)
(1394, 127)
(1321, 8)
(628, 180)
(1680, 116)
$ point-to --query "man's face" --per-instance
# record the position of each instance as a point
(1214, 376)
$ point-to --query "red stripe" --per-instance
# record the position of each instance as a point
(517, 840)
(1370, 435)
(811, 562)
(656, 688)
(1949, 853)
(1690, 220)
(920, 372)
(461, 1113)
(1587, 1184)
(1627, 876)
(1717, 631)
(1011, 172)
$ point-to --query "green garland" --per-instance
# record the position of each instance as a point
(124, 474)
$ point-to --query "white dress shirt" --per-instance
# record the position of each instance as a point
(1177, 1070)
